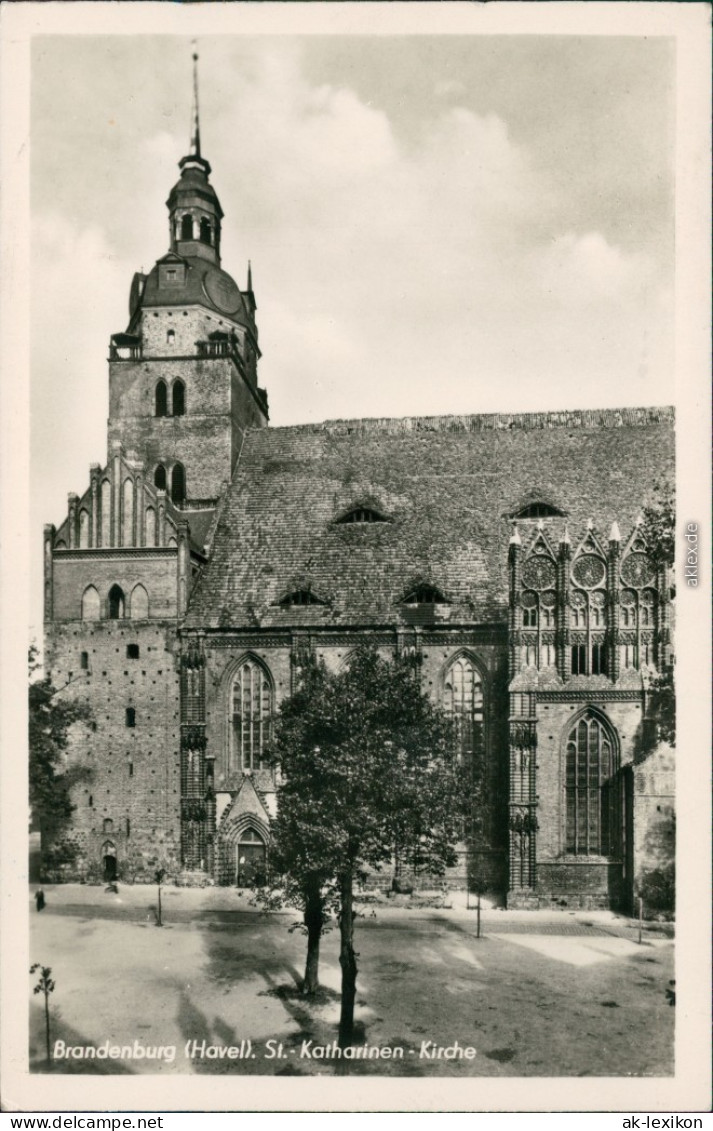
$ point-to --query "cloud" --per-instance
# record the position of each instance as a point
(440, 270)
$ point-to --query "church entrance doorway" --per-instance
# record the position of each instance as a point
(109, 862)
(251, 859)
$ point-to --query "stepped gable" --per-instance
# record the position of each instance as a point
(447, 487)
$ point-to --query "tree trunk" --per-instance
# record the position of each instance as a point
(313, 922)
(47, 1029)
(347, 960)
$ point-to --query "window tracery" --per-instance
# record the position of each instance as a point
(251, 712)
(591, 789)
(463, 702)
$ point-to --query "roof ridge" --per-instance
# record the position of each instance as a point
(491, 422)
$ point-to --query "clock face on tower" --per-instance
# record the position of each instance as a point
(221, 291)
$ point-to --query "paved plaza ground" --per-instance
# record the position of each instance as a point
(539, 994)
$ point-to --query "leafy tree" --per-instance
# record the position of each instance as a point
(368, 764)
(51, 717)
(659, 525)
(45, 986)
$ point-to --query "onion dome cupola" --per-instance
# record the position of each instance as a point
(193, 206)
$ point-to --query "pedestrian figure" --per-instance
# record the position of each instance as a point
(40, 899)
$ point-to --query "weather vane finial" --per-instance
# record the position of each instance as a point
(195, 124)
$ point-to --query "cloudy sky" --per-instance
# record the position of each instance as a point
(437, 224)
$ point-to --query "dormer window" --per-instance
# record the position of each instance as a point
(300, 597)
(361, 516)
(425, 594)
(538, 510)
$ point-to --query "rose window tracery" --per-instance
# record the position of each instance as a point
(637, 571)
(539, 573)
(589, 571)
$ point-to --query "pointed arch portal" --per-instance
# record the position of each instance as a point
(251, 858)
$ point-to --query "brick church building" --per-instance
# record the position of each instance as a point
(211, 553)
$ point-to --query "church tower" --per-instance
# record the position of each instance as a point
(120, 567)
(183, 376)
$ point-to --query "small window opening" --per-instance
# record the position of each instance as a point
(131, 769)
(159, 477)
(206, 234)
(131, 716)
(361, 515)
(425, 595)
(170, 337)
(90, 801)
(128, 827)
(301, 597)
(539, 510)
(84, 661)
(187, 228)
(132, 651)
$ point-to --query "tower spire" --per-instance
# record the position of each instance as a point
(195, 147)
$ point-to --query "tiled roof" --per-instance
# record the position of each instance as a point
(193, 289)
(448, 486)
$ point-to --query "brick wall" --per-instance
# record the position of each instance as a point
(133, 771)
(189, 325)
(206, 440)
(156, 570)
(654, 828)
(485, 861)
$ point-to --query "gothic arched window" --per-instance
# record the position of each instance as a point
(592, 793)
(178, 394)
(161, 399)
(117, 603)
(91, 605)
(106, 512)
(139, 603)
(251, 711)
(150, 527)
(83, 529)
(187, 227)
(159, 477)
(178, 484)
(463, 701)
(127, 518)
